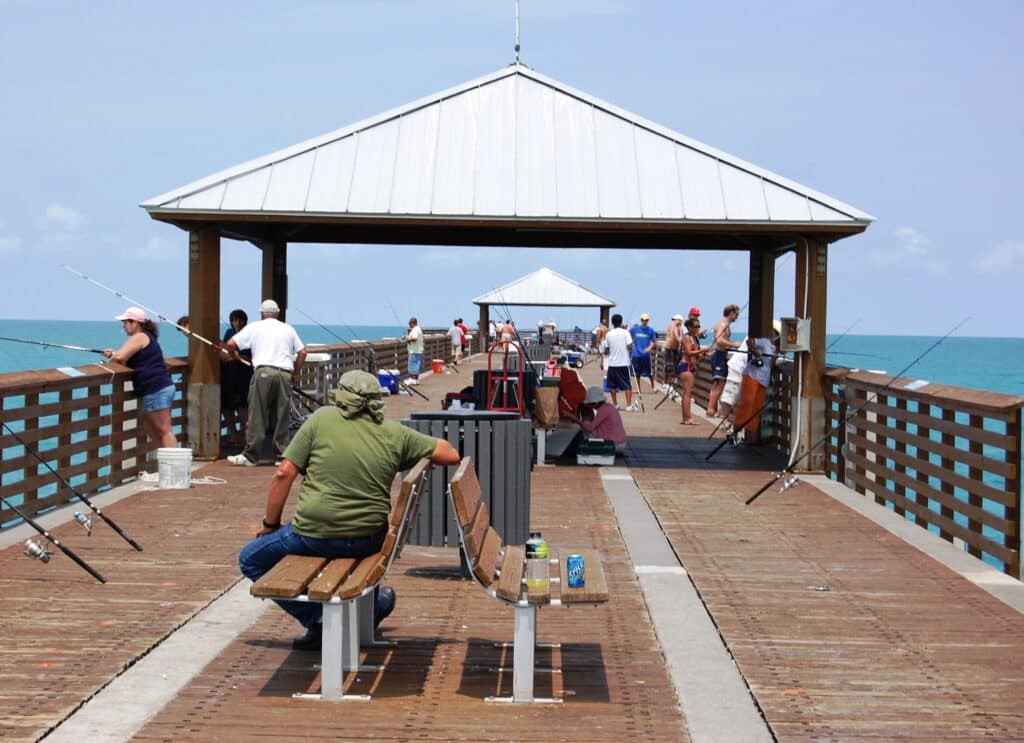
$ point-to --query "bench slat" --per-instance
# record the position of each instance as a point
(465, 491)
(486, 562)
(477, 530)
(289, 577)
(366, 572)
(595, 589)
(326, 583)
(510, 583)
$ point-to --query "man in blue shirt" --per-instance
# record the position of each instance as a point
(644, 338)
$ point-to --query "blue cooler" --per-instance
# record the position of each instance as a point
(388, 381)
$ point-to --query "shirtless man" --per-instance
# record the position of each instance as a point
(599, 336)
(721, 346)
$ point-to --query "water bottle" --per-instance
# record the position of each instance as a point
(538, 570)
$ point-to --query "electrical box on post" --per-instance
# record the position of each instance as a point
(795, 334)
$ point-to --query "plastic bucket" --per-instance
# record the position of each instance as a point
(438, 366)
(175, 467)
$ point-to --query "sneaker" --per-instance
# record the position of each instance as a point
(383, 604)
(241, 460)
(311, 640)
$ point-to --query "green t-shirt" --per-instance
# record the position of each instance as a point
(349, 465)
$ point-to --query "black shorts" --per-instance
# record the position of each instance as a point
(618, 378)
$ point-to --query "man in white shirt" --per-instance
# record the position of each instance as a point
(455, 335)
(277, 357)
(617, 344)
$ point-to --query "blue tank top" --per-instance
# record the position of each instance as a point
(149, 368)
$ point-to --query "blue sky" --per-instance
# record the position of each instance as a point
(910, 111)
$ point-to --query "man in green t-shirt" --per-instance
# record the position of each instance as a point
(348, 456)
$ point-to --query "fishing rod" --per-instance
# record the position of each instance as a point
(33, 549)
(368, 354)
(790, 482)
(216, 346)
(87, 523)
(52, 345)
(731, 436)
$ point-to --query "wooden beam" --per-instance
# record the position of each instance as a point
(761, 293)
(204, 362)
(275, 274)
(485, 322)
(811, 294)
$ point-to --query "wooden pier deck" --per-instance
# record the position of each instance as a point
(841, 630)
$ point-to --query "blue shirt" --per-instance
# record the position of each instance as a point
(642, 338)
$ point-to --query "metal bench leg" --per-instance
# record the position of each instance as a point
(339, 652)
(367, 632)
(523, 649)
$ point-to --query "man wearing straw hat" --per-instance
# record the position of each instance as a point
(348, 455)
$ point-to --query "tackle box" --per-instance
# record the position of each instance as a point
(595, 451)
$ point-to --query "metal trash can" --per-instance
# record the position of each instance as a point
(501, 445)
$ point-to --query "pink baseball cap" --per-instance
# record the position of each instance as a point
(695, 310)
(133, 313)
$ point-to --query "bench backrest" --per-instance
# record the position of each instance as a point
(479, 539)
(347, 578)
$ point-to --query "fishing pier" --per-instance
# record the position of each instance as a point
(871, 591)
(833, 616)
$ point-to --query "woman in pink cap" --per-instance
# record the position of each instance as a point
(153, 385)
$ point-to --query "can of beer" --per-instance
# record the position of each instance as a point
(575, 568)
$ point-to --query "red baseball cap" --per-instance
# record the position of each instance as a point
(695, 310)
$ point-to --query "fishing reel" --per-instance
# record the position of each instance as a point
(756, 361)
(85, 520)
(789, 483)
(37, 551)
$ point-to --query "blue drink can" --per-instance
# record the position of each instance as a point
(575, 567)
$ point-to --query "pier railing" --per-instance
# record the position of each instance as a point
(946, 458)
(84, 421)
(84, 426)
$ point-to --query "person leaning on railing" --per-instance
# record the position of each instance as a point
(150, 380)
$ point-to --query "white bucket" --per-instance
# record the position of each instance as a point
(175, 467)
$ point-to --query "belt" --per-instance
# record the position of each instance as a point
(278, 368)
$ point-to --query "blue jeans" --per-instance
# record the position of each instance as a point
(263, 553)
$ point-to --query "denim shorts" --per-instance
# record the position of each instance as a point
(415, 363)
(159, 400)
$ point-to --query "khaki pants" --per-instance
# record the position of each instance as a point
(270, 397)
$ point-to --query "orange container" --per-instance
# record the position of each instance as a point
(438, 366)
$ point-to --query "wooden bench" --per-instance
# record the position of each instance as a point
(500, 570)
(345, 587)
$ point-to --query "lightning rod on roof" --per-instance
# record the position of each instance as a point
(517, 31)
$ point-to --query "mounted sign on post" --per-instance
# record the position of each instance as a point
(795, 334)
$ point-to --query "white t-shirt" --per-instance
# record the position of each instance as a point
(273, 343)
(455, 333)
(414, 344)
(617, 343)
(737, 362)
(763, 372)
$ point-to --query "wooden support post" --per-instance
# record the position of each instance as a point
(761, 293)
(811, 290)
(203, 425)
(275, 274)
(485, 324)
(605, 316)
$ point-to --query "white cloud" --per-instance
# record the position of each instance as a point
(155, 249)
(61, 223)
(1007, 257)
(911, 246)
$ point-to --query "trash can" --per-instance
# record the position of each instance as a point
(501, 445)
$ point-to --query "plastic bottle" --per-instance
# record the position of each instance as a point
(538, 570)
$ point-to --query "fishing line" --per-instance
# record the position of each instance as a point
(850, 413)
(34, 550)
(188, 333)
(52, 345)
(69, 486)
